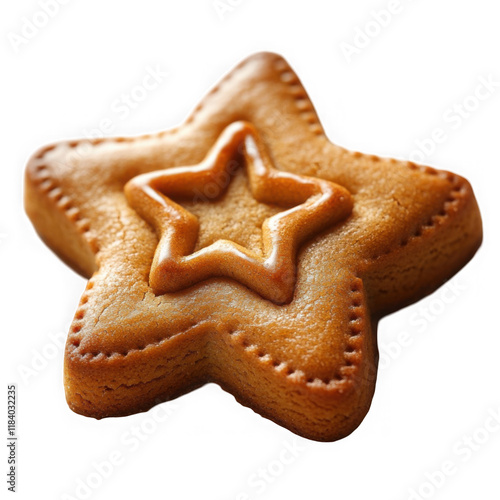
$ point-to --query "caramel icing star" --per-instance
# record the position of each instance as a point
(319, 203)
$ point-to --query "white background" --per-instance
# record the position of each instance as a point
(433, 391)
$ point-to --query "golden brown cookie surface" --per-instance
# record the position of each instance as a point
(357, 237)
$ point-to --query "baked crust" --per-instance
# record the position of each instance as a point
(308, 363)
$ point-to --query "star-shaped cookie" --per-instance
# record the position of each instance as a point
(243, 248)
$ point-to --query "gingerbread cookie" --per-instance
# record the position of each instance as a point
(245, 249)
